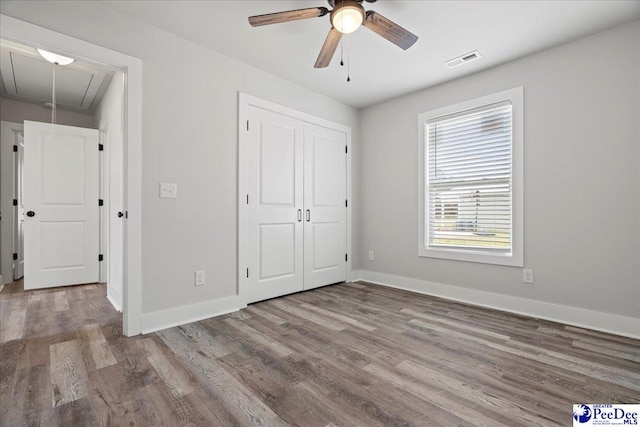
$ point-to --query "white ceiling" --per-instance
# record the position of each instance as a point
(28, 77)
(499, 30)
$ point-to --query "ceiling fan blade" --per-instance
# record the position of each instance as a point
(328, 49)
(389, 30)
(290, 15)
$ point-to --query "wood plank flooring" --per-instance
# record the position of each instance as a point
(345, 355)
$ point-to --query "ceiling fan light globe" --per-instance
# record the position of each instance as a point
(54, 58)
(347, 18)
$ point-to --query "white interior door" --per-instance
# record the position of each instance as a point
(18, 233)
(61, 204)
(325, 195)
(275, 204)
(116, 214)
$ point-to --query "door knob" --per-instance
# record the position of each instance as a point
(31, 213)
(120, 214)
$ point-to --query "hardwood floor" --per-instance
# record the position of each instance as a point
(344, 355)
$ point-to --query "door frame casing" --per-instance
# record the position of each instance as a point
(35, 36)
(9, 130)
(245, 102)
(18, 183)
(103, 164)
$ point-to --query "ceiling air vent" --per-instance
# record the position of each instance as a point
(467, 57)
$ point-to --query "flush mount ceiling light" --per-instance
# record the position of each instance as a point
(346, 17)
(54, 58)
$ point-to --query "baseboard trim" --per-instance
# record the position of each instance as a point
(114, 296)
(583, 318)
(163, 319)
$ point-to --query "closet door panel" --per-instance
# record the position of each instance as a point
(275, 232)
(324, 202)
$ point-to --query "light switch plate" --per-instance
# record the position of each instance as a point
(168, 190)
(199, 279)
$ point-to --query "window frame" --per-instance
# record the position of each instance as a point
(515, 257)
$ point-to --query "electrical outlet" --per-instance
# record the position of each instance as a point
(168, 190)
(527, 275)
(370, 255)
(199, 278)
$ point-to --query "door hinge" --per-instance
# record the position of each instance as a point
(15, 148)
(100, 257)
(247, 199)
(100, 202)
(15, 256)
(346, 258)
(100, 147)
(247, 124)
(346, 149)
(15, 202)
(126, 214)
(346, 203)
(247, 273)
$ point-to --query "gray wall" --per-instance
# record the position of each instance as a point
(582, 177)
(18, 111)
(190, 104)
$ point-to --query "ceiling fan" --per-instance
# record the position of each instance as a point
(346, 17)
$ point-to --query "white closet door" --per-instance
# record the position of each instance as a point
(61, 204)
(325, 235)
(275, 205)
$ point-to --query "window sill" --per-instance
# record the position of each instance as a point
(482, 257)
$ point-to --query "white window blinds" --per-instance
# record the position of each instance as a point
(469, 180)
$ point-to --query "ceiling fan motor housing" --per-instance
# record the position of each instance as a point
(332, 3)
(347, 15)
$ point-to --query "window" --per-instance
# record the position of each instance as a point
(471, 157)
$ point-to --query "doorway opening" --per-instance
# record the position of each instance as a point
(68, 240)
(32, 36)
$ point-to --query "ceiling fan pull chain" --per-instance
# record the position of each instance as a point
(53, 96)
(348, 63)
(341, 53)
